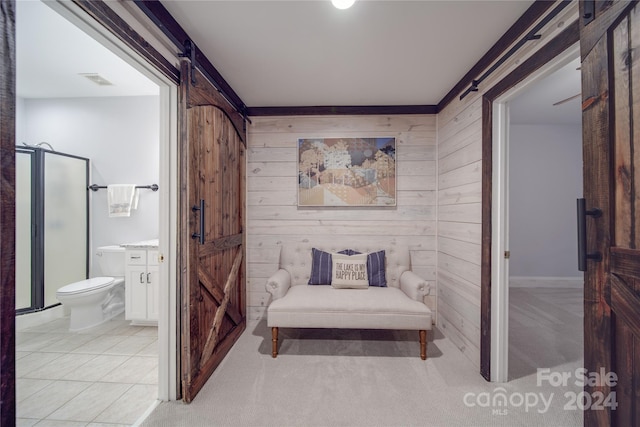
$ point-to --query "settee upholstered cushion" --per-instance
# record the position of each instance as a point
(326, 307)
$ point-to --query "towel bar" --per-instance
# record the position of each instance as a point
(95, 187)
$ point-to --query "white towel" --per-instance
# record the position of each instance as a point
(121, 198)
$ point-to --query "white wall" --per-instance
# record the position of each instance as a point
(20, 117)
(120, 135)
(545, 179)
(273, 217)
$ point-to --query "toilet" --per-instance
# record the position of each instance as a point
(94, 301)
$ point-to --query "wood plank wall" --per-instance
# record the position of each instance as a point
(460, 201)
(273, 217)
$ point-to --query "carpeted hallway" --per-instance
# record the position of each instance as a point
(376, 378)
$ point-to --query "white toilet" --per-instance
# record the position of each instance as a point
(96, 300)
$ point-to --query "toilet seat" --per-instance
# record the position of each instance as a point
(87, 285)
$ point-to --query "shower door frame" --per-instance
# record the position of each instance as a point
(37, 224)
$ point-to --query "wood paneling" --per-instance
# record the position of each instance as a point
(212, 179)
(275, 219)
(610, 111)
(464, 229)
(595, 137)
(7, 213)
(205, 94)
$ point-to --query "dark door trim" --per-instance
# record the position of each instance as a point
(7, 213)
(559, 44)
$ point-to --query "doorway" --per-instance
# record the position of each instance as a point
(162, 163)
(503, 135)
(545, 179)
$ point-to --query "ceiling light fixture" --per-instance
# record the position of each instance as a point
(342, 4)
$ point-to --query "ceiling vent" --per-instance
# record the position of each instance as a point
(97, 79)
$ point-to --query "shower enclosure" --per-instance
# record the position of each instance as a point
(52, 225)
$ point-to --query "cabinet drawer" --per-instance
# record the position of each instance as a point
(136, 257)
(152, 258)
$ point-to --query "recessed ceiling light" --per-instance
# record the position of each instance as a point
(343, 4)
(96, 78)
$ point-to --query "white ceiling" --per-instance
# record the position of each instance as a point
(302, 53)
(308, 53)
(51, 52)
(535, 104)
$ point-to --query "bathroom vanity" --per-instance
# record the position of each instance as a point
(141, 282)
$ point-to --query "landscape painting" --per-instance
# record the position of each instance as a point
(347, 172)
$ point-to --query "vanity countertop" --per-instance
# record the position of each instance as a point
(143, 244)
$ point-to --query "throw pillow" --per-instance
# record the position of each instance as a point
(349, 271)
(349, 252)
(376, 267)
(320, 267)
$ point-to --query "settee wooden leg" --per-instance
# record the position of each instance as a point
(274, 342)
(423, 345)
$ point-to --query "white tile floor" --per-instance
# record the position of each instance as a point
(104, 376)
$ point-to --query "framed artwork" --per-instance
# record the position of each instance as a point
(347, 172)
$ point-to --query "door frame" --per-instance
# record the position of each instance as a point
(500, 214)
(168, 385)
(494, 293)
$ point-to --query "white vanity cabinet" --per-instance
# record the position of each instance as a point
(141, 285)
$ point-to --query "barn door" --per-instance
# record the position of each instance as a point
(213, 283)
(610, 45)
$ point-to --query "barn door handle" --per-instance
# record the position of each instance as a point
(589, 11)
(200, 235)
(583, 256)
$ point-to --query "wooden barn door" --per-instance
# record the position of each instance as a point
(213, 283)
(610, 45)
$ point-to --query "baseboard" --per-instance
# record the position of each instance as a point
(545, 282)
(28, 320)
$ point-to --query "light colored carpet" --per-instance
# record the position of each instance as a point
(364, 378)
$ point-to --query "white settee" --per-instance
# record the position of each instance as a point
(296, 304)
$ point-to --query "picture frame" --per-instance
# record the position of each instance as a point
(347, 172)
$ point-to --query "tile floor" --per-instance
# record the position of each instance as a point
(102, 377)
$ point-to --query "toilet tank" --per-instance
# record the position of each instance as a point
(111, 260)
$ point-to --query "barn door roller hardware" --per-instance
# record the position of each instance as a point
(189, 51)
(583, 256)
(161, 17)
(531, 35)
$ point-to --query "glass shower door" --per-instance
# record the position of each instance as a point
(65, 222)
(24, 229)
(52, 225)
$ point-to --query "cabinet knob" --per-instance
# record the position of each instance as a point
(141, 277)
